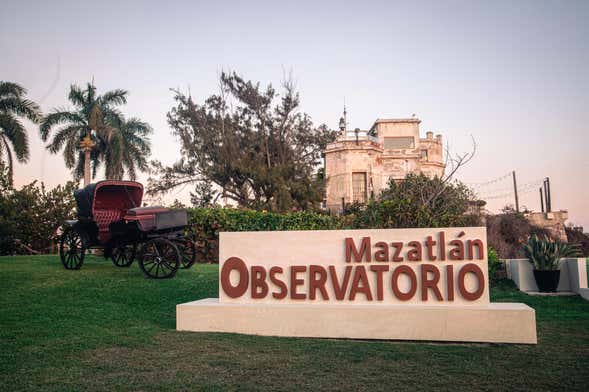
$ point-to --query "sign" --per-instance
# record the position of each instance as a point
(412, 284)
(400, 266)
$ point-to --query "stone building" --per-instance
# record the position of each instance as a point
(553, 222)
(359, 163)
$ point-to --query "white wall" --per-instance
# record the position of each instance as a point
(573, 275)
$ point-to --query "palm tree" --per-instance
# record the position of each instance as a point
(13, 136)
(81, 130)
(126, 148)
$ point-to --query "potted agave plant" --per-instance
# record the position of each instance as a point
(545, 254)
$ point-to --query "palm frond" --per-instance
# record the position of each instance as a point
(77, 96)
(114, 97)
(15, 134)
(59, 116)
(21, 107)
(70, 152)
(63, 135)
(11, 89)
(78, 170)
(130, 167)
(90, 94)
(9, 157)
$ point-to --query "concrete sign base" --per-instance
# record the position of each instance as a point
(493, 322)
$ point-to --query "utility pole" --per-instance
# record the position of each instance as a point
(548, 195)
(515, 191)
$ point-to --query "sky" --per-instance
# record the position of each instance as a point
(513, 75)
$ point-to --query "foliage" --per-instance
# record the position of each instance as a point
(121, 145)
(495, 265)
(545, 253)
(576, 236)
(508, 231)
(257, 153)
(417, 201)
(203, 196)
(207, 223)
(13, 135)
(31, 216)
(126, 148)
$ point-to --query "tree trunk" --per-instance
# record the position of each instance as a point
(87, 167)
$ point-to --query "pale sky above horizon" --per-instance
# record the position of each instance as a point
(513, 74)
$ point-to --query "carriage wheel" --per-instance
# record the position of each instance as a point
(159, 259)
(187, 248)
(72, 249)
(123, 256)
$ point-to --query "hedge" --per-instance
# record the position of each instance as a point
(207, 223)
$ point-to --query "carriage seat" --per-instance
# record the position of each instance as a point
(104, 218)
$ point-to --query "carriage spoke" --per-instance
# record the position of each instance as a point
(165, 262)
(154, 264)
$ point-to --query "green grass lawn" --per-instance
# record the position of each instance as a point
(106, 328)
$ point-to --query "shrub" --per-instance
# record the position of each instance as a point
(31, 216)
(417, 201)
(495, 265)
(508, 231)
(207, 223)
(575, 235)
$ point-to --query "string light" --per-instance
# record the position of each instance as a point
(490, 182)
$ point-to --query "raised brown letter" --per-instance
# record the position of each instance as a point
(404, 269)
(429, 244)
(294, 282)
(340, 290)
(352, 250)
(360, 276)
(472, 268)
(380, 270)
(383, 253)
(234, 263)
(450, 281)
(415, 253)
(259, 286)
(317, 284)
(283, 290)
(479, 245)
(427, 283)
(398, 247)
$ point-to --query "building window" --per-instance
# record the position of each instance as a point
(397, 143)
(424, 155)
(359, 187)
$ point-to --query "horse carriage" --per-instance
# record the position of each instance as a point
(110, 217)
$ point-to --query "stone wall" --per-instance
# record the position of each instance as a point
(554, 222)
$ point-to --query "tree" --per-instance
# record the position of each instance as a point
(13, 136)
(203, 195)
(31, 216)
(417, 201)
(256, 152)
(93, 116)
(126, 148)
